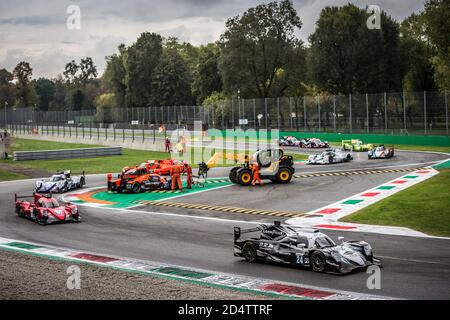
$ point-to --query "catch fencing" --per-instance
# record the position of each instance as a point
(406, 113)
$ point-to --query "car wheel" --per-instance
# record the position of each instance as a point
(249, 252)
(19, 211)
(317, 261)
(136, 188)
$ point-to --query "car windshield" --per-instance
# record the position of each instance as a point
(51, 203)
(324, 242)
(56, 178)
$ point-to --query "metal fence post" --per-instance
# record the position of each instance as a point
(90, 131)
(290, 113)
(123, 134)
(265, 111)
(425, 111)
(254, 114)
(318, 110)
(350, 111)
(106, 134)
(404, 112)
(304, 112)
(278, 112)
(98, 132)
(385, 113)
(446, 110)
(367, 112)
(232, 113)
(334, 113)
(114, 132)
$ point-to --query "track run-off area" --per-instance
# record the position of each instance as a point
(194, 229)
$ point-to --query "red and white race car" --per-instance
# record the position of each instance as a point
(45, 209)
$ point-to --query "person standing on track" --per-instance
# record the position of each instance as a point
(167, 144)
(175, 172)
(256, 177)
(188, 171)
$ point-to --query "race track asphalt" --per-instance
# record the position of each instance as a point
(412, 267)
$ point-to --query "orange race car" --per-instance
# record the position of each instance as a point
(150, 175)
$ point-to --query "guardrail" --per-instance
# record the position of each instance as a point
(66, 153)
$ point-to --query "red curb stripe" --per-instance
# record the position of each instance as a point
(330, 226)
(92, 257)
(370, 194)
(298, 291)
(399, 181)
(329, 210)
(423, 171)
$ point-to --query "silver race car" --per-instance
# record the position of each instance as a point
(60, 182)
(303, 247)
(330, 156)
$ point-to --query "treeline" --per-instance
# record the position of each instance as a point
(257, 56)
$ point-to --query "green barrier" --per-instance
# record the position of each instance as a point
(438, 141)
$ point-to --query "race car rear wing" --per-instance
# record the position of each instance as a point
(238, 231)
(47, 195)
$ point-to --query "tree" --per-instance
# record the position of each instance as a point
(171, 81)
(206, 78)
(70, 72)
(259, 51)
(417, 53)
(88, 71)
(80, 74)
(347, 57)
(114, 76)
(25, 94)
(45, 90)
(7, 89)
(58, 102)
(141, 59)
(437, 26)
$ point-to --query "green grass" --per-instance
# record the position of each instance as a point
(36, 145)
(7, 176)
(93, 165)
(424, 207)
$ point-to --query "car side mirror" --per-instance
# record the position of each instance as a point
(341, 238)
(301, 245)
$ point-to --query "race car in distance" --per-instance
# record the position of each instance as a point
(381, 152)
(330, 156)
(302, 247)
(60, 182)
(356, 145)
(44, 209)
(289, 141)
(313, 143)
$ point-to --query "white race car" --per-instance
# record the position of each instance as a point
(380, 152)
(60, 182)
(330, 156)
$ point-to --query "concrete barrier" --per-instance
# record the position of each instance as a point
(67, 153)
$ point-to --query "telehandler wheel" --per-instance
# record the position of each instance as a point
(244, 177)
(284, 175)
(233, 175)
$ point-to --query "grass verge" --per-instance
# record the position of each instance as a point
(8, 176)
(93, 165)
(424, 207)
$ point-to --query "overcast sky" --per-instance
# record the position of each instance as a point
(35, 30)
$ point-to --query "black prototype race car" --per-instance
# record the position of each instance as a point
(302, 247)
